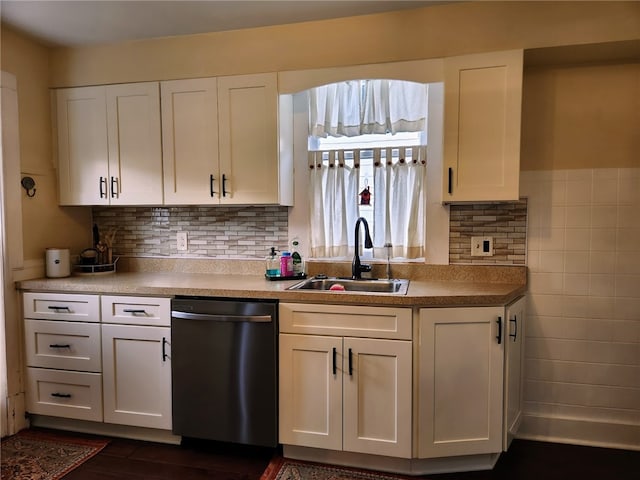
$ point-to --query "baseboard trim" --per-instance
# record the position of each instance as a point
(580, 432)
(109, 429)
(405, 466)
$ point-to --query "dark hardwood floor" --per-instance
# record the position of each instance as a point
(525, 460)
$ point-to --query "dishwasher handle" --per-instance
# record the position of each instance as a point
(221, 318)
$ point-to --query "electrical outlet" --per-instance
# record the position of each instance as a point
(182, 242)
(481, 246)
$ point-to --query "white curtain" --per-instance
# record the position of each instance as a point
(335, 110)
(398, 206)
(333, 200)
(367, 106)
(398, 201)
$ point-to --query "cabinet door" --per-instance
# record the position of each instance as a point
(460, 381)
(137, 375)
(190, 141)
(310, 391)
(81, 120)
(377, 396)
(514, 364)
(248, 129)
(483, 97)
(135, 149)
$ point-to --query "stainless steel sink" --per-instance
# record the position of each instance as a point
(393, 286)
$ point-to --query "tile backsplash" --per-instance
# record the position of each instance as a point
(221, 232)
(248, 232)
(505, 222)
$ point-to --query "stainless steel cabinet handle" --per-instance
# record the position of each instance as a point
(221, 318)
(135, 311)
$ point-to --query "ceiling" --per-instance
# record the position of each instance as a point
(87, 22)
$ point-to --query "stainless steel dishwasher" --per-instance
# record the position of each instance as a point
(224, 370)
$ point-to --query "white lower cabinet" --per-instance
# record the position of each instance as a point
(136, 375)
(461, 363)
(470, 385)
(346, 393)
(513, 366)
(81, 367)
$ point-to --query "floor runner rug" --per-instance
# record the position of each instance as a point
(284, 469)
(44, 455)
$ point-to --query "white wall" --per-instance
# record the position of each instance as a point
(582, 371)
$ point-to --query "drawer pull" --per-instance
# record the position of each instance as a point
(57, 345)
(58, 308)
(61, 395)
(135, 311)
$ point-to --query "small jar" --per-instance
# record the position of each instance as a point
(286, 265)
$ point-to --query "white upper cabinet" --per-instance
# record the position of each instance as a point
(190, 141)
(83, 156)
(135, 152)
(109, 150)
(483, 102)
(221, 142)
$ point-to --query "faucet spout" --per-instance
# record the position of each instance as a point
(356, 267)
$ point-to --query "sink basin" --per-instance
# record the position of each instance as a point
(393, 286)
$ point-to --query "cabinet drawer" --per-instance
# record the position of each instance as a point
(63, 345)
(62, 306)
(136, 310)
(346, 320)
(64, 394)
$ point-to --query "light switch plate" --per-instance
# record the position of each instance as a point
(182, 241)
(481, 246)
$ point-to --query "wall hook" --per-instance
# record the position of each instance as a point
(28, 184)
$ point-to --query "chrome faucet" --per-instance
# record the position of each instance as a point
(356, 267)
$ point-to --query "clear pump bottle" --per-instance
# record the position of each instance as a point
(272, 264)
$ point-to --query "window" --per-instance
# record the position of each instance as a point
(378, 176)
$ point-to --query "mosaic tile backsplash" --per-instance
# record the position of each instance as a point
(221, 232)
(505, 222)
(249, 232)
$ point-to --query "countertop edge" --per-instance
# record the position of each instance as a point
(421, 293)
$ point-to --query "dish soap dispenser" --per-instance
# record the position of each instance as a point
(273, 264)
(296, 258)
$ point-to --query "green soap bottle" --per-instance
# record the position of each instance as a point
(298, 265)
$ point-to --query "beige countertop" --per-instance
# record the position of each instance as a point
(421, 293)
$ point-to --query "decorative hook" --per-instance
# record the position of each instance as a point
(28, 184)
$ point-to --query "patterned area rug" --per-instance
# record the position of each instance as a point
(40, 455)
(284, 469)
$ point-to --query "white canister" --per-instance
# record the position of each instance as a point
(57, 262)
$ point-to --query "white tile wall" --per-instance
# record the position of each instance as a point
(583, 333)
